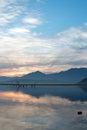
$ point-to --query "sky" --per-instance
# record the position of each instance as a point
(45, 35)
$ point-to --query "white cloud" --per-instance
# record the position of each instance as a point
(8, 12)
(27, 51)
(84, 35)
(19, 30)
(73, 37)
(31, 20)
(4, 3)
(5, 18)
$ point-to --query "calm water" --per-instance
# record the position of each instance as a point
(43, 108)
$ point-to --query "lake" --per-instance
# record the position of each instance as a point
(43, 108)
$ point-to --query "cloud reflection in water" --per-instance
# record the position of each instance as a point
(25, 112)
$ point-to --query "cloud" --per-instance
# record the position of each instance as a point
(70, 43)
(9, 10)
(28, 50)
(73, 37)
(32, 21)
(4, 3)
(16, 30)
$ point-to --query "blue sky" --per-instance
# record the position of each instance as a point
(44, 35)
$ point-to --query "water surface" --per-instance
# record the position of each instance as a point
(43, 108)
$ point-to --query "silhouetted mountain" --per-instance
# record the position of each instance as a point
(83, 84)
(35, 75)
(3, 78)
(73, 75)
(84, 81)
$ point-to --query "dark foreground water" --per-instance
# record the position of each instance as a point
(43, 108)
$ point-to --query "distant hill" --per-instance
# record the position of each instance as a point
(73, 75)
(83, 84)
(35, 75)
(4, 78)
(84, 81)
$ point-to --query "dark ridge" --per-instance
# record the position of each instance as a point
(84, 81)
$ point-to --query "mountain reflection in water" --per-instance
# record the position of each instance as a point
(23, 111)
(73, 93)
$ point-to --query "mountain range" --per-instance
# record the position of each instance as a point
(72, 75)
(84, 81)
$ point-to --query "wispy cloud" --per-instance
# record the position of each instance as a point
(23, 48)
(8, 12)
(17, 30)
(31, 20)
(28, 53)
